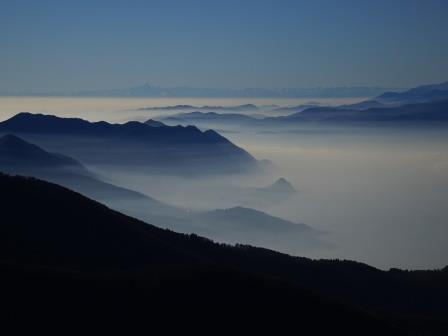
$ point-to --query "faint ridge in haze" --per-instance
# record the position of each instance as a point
(238, 224)
(18, 152)
(244, 107)
(21, 157)
(419, 94)
(147, 90)
(280, 186)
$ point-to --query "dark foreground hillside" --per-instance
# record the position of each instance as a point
(64, 257)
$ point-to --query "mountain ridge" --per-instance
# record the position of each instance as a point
(172, 148)
(419, 94)
(13, 148)
(148, 90)
(120, 273)
(153, 210)
(20, 157)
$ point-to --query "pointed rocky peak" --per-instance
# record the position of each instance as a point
(282, 185)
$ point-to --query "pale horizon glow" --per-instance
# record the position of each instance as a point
(51, 45)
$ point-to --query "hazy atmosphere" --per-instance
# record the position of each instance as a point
(88, 45)
(226, 163)
(378, 194)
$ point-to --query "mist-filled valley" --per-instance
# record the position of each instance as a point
(372, 193)
(378, 195)
(260, 167)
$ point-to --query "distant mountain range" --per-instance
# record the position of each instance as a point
(177, 150)
(245, 107)
(364, 105)
(291, 109)
(148, 90)
(420, 112)
(67, 258)
(246, 225)
(422, 104)
(201, 117)
(420, 94)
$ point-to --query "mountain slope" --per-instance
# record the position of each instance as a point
(211, 117)
(18, 156)
(17, 152)
(154, 123)
(84, 259)
(135, 145)
(363, 105)
(235, 225)
(422, 112)
(257, 228)
(420, 94)
(25, 162)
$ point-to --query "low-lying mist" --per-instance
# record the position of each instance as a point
(380, 195)
(377, 194)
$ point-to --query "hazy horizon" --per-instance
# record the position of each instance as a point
(242, 164)
(123, 109)
(148, 90)
(60, 46)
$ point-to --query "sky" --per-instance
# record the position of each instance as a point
(81, 45)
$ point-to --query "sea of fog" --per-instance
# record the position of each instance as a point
(125, 109)
(379, 194)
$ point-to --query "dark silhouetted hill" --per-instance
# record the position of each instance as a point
(64, 257)
(15, 151)
(177, 149)
(19, 157)
(230, 226)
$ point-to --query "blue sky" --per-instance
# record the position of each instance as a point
(71, 45)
